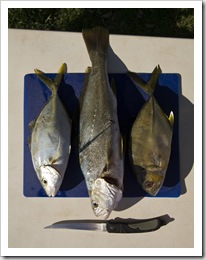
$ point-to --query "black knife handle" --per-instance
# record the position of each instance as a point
(146, 226)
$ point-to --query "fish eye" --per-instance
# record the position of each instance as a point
(149, 184)
(45, 181)
(95, 205)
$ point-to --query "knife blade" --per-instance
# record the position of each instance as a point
(116, 225)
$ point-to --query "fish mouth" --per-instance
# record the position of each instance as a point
(50, 179)
(152, 187)
(152, 193)
(102, 213)
(150, 178)
(104, 197)
(51, 192)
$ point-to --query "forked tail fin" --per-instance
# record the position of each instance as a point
(149, 86)
(96, 40)
(50, 83)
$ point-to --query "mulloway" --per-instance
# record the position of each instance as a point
(100, 146)
(50, 137)
(151, 137)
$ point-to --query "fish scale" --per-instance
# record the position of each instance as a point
(50, 138)
(151, 137)
(100, 151)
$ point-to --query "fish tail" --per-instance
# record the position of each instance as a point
(149, 86)
(139, 81)
(96, 40)
(62, 70)
(154, 77)
(50, 83)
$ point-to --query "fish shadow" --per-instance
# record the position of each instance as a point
(182, 150)
(130, 100)
(114, 63)
(36, 94)
(69, 94)
(186, 139)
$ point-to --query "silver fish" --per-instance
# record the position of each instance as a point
(100, 147)
(50, 137)
(151, 137)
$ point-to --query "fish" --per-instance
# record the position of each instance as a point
(150, 138)
(100, 142)
(50, 141)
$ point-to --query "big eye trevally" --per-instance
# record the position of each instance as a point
(151, 137)
(100, 145)
(50, 137)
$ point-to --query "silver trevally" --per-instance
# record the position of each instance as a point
(151, 137)
(50, 137)
(100, 147)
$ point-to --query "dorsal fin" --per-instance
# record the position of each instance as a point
(85, 85)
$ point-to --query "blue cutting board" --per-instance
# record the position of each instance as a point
(130, 100)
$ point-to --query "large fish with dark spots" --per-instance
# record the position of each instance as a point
(151, 137)
(100, 147)
(50, 138)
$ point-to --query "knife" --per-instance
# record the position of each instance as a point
(116, 225)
